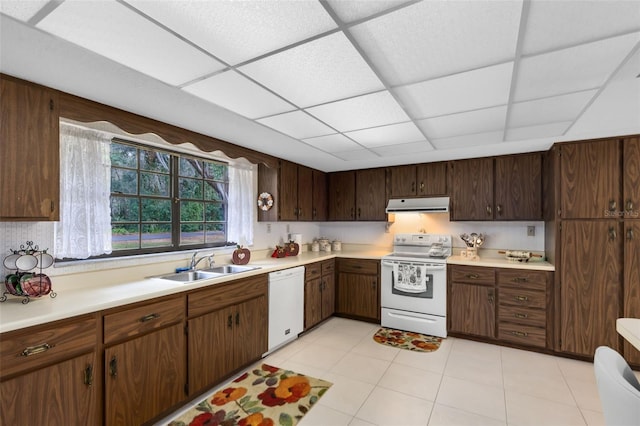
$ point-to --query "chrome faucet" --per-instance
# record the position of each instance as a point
(194, 261)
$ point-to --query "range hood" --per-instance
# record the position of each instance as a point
(419, 205)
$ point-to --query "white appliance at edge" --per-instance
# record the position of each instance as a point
(286, 306)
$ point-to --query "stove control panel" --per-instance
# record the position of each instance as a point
(422, 240)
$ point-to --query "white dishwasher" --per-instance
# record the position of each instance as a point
(286, 306)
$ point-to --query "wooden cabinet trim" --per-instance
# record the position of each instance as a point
(221, 295)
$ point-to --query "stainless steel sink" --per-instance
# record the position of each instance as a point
(190, 276)
(231, 269)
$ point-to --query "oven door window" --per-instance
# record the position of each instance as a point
(412, 280)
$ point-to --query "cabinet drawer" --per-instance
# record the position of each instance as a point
(472, 275)
(522, 315)
(312, 270)
(222, 295)
(358, 266)
(34, 347)
(522, 297)
(523, 334)
(141, 319)
(328, 267)
(535, 280)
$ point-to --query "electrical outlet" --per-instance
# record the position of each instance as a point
(268, 228)
(531, 231)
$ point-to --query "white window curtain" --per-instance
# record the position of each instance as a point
(84, 228)
(241, 208)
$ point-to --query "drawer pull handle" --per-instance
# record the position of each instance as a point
(149, 317)
(520, 280)
(88, 375)
(113, 367)
(230, 321)
(518, 315)
(237, 318)
(520, 333)
(521, 298)
(35, 350)
(473, 276)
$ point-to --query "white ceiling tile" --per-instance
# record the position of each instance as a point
(114, 31)
(435, 38)
(333, 143)
(361, 154)
(478, 121)
(570, 70)
(393, 134)
(375, 109)
(322, 70)
(467, 141)
(539, 131)
(352, 10)
(236, 31)
(482, 88)
(549, 110)
(297, 124)
(403, 149)
(557, 24)
(239, 94)
(21, 9)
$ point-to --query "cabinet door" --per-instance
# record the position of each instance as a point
(431, 179)
(371, 197)
(590, 285)
(210, 349)
(472, 309)
(288, 192)
(403, 181)
(590, 179)
(312, 302)
(305, 193)
(357, 295)
(342, 195)
(144, 376)
(29, 152)
(518, 187)
(328, 295)
(62, 394)
(472, 189)
(631, 178)
(631, 304)
(319, 209)
(250, 331)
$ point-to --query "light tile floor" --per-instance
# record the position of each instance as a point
(462, 383)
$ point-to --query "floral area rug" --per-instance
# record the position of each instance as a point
(266, 396)
(407, 340)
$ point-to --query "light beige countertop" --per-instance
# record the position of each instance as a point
(492, 259)
(92, 292)
(629, 328)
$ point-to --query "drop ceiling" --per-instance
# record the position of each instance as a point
(345, 84)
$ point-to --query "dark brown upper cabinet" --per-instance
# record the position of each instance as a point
(358, 195)
(342, 196)
(471, 189)
(319, 202)
(418, 180)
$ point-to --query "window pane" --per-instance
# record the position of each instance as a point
(124, 181)
(191, 211)
(123, 155)
(154, 161)
(154, 210)
(191, 234)
(125, 237)
(191, 188)
(124, 209)
(156, 235)
(215, 171)
(215, 212)
(216, 233)
(190, 167)
(155, 184)
(214, 191)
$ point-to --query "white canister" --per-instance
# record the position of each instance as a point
(325, 245)
(336, 245)
(315, 246)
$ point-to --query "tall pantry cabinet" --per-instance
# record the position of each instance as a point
(594, 238)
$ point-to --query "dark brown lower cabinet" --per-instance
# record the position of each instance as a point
(145, 376)
(472, 309)
(358, 289)
(319, 292)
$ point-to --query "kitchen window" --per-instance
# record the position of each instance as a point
(165, 201)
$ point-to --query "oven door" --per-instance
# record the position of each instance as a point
(414, 286)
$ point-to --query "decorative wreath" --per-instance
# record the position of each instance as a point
(265, 201)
